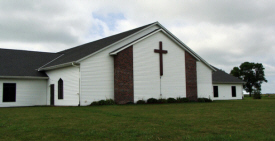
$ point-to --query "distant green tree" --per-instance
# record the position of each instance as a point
(252, 74)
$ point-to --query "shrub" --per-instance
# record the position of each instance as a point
(171, 100)
(204, 100)
(101, 102)
(257, 94)
(152, 101)
(181, 100)
(109, 102)
(208, 100)
(94, 103)
(200, 100)
(141, 102)
(162, 100)
(129, 103)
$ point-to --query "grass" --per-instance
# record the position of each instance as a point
(246, 119)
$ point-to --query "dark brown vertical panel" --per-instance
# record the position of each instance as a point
(123, 76)
(191, 77)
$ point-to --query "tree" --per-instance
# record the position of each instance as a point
(252, 74)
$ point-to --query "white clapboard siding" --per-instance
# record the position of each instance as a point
(29, 92)
(70, 77)
(225, 91)
(204, 81)
(147, 72)
(97, 73)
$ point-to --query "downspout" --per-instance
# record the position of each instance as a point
(78, 83)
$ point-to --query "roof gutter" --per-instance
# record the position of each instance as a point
(59, 66)
(23, 77)
(228, 82)
(74, 64)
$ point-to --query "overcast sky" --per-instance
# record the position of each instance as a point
(224, 33)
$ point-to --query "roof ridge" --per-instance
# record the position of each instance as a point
(105, 37)
(28, 51)
(51, 61)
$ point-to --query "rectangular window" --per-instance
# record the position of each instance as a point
(9, 92)
(216, 93)
(233, 88)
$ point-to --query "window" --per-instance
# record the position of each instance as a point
(9, 92)
(60, 89)
(216, 93)
(233, 88)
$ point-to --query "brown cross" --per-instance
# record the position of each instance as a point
(160, 51)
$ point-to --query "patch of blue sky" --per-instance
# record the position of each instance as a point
(97, 30)
(110, 18)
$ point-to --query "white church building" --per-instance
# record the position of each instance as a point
(146, 62)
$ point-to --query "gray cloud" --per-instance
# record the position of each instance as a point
(224, 33)
(42, 22)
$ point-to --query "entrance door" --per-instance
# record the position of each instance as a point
(52, 94)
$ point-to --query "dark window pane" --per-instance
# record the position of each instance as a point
(233, 91)
(60, 89)
(216, 93)
(9, 92)
(52, 94)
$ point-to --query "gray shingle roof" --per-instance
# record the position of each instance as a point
(220, 76)
(76, 53)
(133, 41)
(23, 63)
(26, 63)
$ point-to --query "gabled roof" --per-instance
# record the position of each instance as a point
(194, 54)
(79, 53)
(172, 37)
(74, 54)
(222, 77)
(148, 35)
(19, 63)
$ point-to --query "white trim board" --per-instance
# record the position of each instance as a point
(147, 36)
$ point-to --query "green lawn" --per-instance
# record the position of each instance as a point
(246, 119)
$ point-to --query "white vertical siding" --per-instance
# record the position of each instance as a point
(29, 92)
(225, 92)
(97, 78)
(70, 77)
(204, 81)
(97, 73)
(146, 69)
